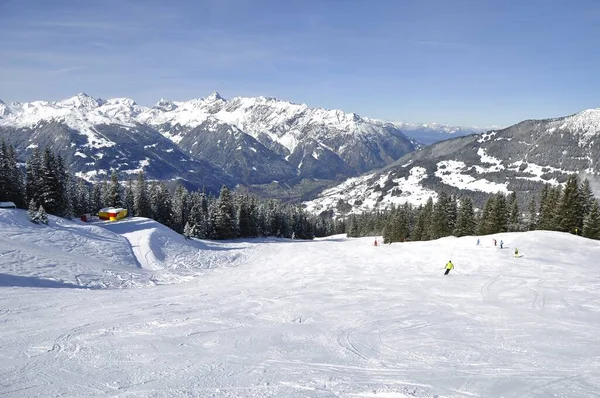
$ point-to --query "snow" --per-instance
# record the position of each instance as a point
(80, 154)
(449, 172)
(336, 318)
(586, 123)
(142, 164)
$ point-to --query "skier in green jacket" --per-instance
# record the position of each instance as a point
(449, 266)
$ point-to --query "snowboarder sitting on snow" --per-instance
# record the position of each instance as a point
(449, 266)
(516, 252)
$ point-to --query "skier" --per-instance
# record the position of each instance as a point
(477, 242)
(516, 252)
(375, 244)
(449, 266)
(494, 242)
(501, 244)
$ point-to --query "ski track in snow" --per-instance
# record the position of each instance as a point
(334, 317)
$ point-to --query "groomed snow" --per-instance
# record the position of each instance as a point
(333, 317)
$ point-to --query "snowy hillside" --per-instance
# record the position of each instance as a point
(520, 158)
(334, 317)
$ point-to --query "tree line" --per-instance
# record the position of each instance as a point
(572, 208)
(49, 187)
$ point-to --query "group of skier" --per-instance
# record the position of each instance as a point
(449, 266)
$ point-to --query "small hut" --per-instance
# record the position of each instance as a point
(112, 213)
(7, 205)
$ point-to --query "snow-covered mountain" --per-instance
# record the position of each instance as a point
(94, 136)
(311, 140)
(519, 158)
(132, 309)
(430, 133)
(253, 140)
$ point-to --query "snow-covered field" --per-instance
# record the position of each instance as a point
(334, 317)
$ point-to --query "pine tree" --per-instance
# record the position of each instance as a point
(96, 198)
(591, 225)
(32, 212)
(549, 202)
(188, 231)
(501, 214)
(423, 223)
(246, 222)
(50, 192)
(129, 201)
(465, 224)
(114, 197)
(570, 210)
(33, 172)
(586, 195)
(514, 221)
(440, 222)
(487, 222)
(179, 208)
(4, 182)
(42, 215)
(532, 222)
(225, 222)
(141, 201)
(160, 203)
(11, 178)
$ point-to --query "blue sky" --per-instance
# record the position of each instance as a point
(469, 62)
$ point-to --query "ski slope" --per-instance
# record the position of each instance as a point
(333, 317)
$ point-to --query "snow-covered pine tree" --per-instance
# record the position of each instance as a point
(50, 194)
(141, 197)
(42, 215)
(128, 201)
(11, 178)
(96, 198)
(4, 183)
(160, 203)
(225, 222)
(179, 208)
(33, 173)
(245, 218)
(63, 206)
(32, 212)
(188, 231)
(114, 198)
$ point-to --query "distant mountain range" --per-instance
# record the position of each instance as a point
(519, 158)
(212, 141)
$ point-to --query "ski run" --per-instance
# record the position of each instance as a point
(132, 309)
